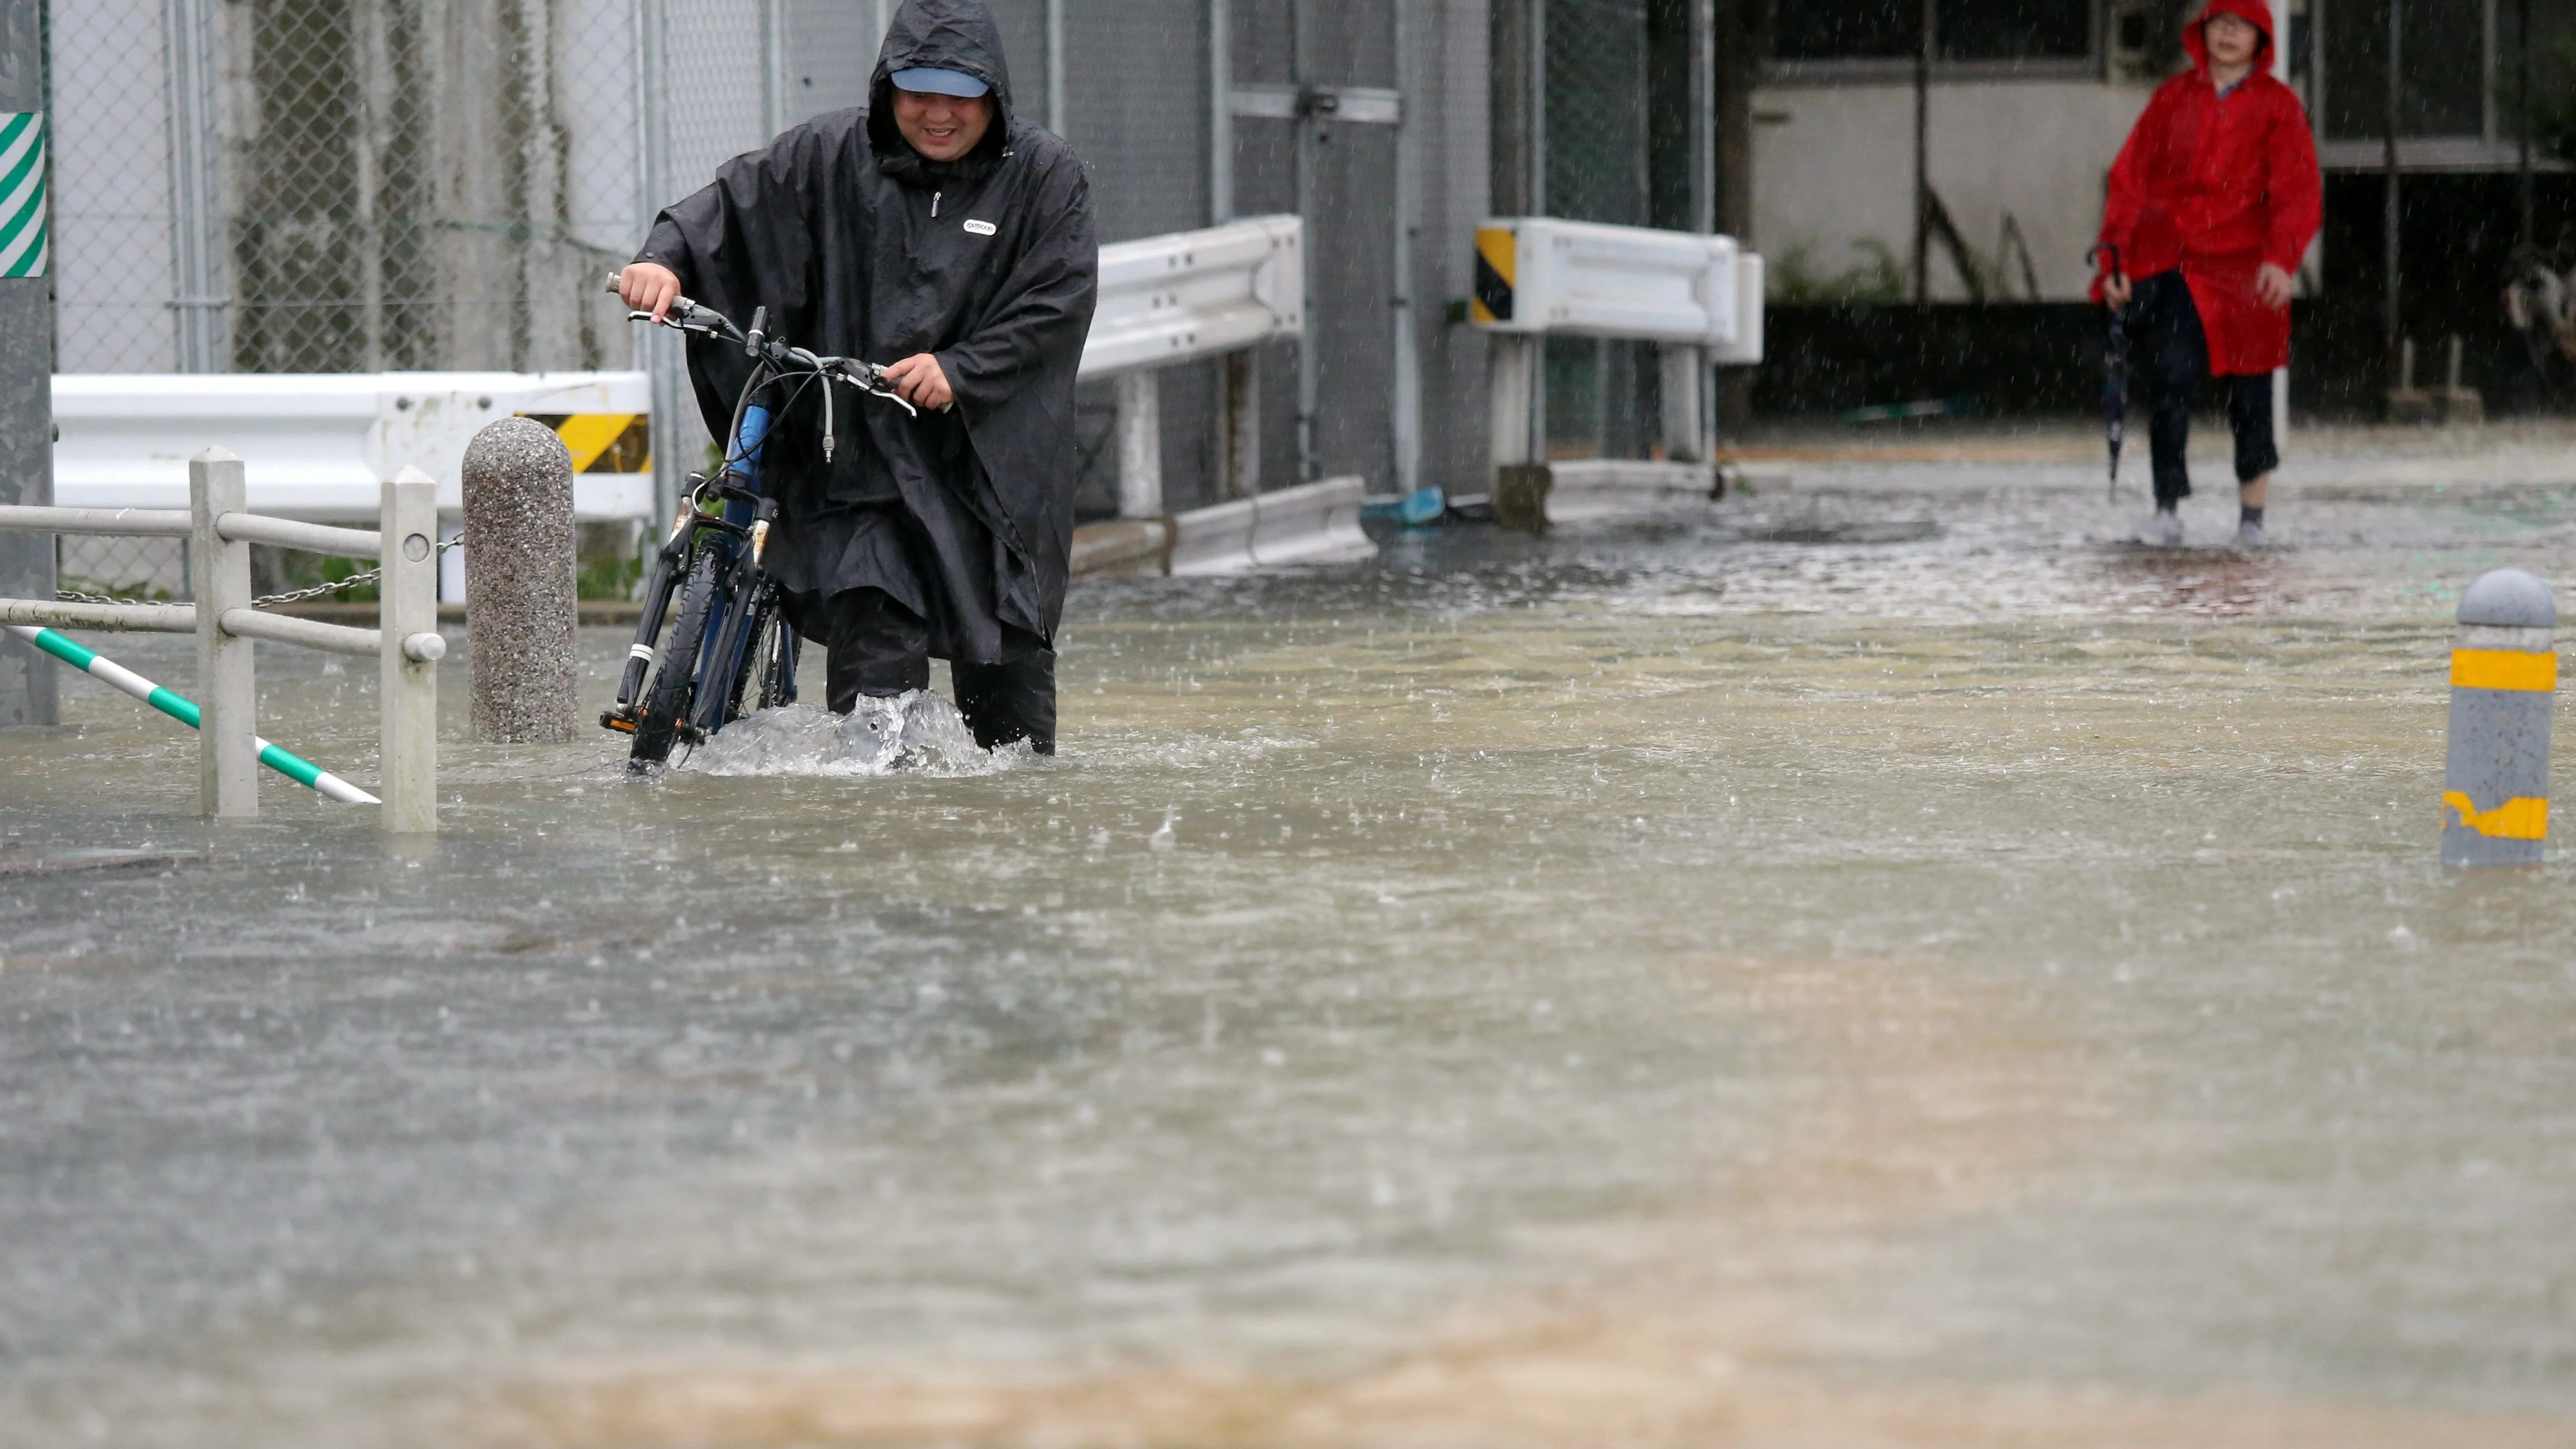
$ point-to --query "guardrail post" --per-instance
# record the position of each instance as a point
(408, 685)
(522, 586)
(1520, 480)
(1140, 445)
(1238, 448)
(227, 687)
(1685, 371)
(1509, 360)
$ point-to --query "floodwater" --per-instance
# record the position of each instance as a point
(1880, 965)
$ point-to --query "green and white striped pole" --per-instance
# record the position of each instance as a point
(100, 667)
(23, 242)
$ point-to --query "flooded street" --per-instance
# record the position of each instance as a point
(1878, 964)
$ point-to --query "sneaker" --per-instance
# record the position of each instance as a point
(2249, 534)
(2162, 531)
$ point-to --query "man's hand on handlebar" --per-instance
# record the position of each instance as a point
(920, 381)
(649, 287)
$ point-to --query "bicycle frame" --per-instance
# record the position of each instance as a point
(725, 522)
(720, 533)
(753, 515)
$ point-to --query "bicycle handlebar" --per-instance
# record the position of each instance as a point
(688, 316)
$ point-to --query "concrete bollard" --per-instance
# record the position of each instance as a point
(2504, 681)
(522, 594)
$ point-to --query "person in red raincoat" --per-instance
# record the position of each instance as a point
(2212, 203)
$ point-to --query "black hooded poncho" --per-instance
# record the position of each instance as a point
(858, 246)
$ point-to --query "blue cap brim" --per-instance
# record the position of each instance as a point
(928, 80)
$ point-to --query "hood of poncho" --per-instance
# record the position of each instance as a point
(958, 35)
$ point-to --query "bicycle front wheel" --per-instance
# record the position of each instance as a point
(778, 670)
(666, 704)
(761, 630)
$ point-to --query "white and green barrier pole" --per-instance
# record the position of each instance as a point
(98, 666)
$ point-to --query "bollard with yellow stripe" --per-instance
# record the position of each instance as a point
(2504, 684)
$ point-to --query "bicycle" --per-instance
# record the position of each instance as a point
(681, 692)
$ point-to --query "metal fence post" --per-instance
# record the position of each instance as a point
(676, 433)
(1220, 40)
(196, 221)
(26, 356)
(227, 687)
(1140, 445)
(1406, 377)
(409, 673)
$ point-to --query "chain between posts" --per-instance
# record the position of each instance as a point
(295, 596)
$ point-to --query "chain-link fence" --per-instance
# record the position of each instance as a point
(344, 185)
(341, 186)
(401, 199)
(1602, 95)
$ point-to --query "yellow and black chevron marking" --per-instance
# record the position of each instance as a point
(1497, 257)
(603, 442)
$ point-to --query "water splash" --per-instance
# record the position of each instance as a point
(914, 733)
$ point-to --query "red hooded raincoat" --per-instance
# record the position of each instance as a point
(2218, 186)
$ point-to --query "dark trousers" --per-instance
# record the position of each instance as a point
(2167, 325)
(881, 648)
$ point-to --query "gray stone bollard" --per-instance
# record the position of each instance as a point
(522, 594)
(2504, 681)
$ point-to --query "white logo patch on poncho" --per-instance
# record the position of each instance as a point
(981, 228)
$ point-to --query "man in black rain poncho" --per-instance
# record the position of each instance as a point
(936, 233)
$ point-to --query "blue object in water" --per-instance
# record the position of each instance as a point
(1413, 510)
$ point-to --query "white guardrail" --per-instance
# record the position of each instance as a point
(1180, 298)
(1195, 294)
(325, 442)
(1542, 276)
(220, 528)
(1700, 296)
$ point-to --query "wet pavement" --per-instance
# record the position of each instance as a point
(1881, 963)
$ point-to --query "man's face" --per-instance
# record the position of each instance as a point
(2231, 41)
(941, 128)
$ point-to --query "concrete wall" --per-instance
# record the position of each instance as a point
(1834, 168)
